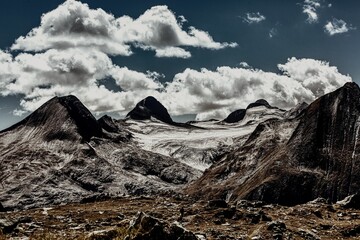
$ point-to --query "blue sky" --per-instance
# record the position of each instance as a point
(266, 34)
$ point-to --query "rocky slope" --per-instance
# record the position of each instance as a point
(292, 161)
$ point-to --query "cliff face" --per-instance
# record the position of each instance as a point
(293, 161)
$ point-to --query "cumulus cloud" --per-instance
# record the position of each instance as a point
(254, 17)
(74, 24)
(310, 9)
(73, 71)
(337, 26)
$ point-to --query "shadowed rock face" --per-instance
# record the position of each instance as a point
(150, 107)
(59, 117)
(296, 160)
(326, 140)
(235, 116)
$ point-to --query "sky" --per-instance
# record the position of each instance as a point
(201, 60)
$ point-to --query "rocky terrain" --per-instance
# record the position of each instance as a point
(146, 218)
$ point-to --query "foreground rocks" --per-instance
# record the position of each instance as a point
(162, 218)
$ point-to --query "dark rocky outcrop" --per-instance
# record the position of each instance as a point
(146, 227)
(58, 118)
(258, 103)
(150, 107)
(235, 116)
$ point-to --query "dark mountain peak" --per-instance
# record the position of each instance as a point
(351, 85)
(235, 116)
(239, 114)
(150, 107)
(59, 113)
(260, 102)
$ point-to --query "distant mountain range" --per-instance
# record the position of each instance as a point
(61, 153)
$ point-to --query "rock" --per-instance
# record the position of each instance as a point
(235, 116)
(2, 209)
(276, 226)
(352, 201)
(8, 225)
(351, 232)
(258, 103)
(107, 234)
(217, 203)
(308, 235)
(246, 204)
(145, 227)
(318, 201)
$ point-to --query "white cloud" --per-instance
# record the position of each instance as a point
(310, 9)
(337, 26)
(74, 24)
(75, 71)
(255, 17)
(172, 52)
(7, 68)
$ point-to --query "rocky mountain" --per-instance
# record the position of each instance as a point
(61, 153)
(292, 161)
(148, 108)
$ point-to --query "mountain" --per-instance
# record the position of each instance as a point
(292, 161)
(148, 108)
(255, 110)
(61, 154)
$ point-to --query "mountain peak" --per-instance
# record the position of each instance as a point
(150, 107)
(55, 117)
(260, 102)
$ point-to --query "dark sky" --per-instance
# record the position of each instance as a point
(293, 36)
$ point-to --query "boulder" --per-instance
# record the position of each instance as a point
(146, 227)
